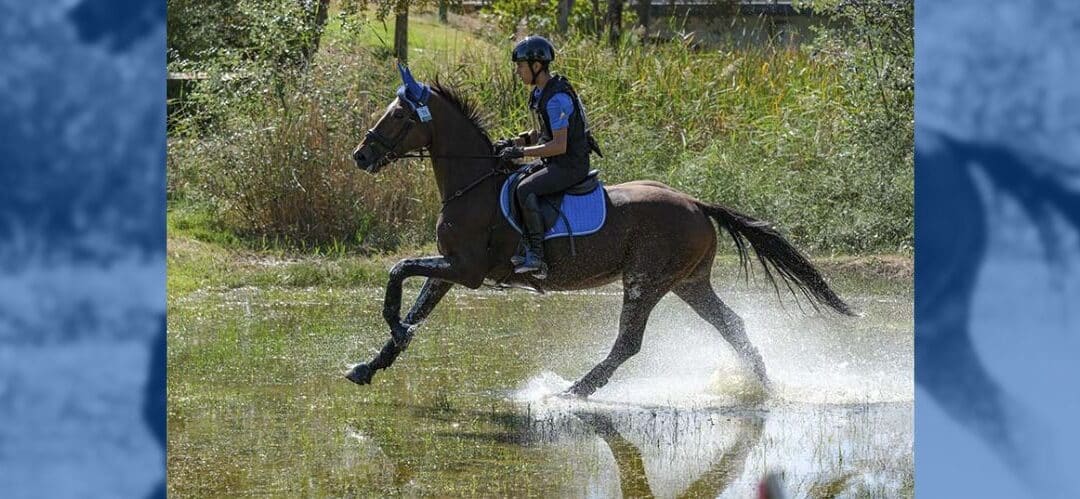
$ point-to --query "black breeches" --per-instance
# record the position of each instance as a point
(547, 180)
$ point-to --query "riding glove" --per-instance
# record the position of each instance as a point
(501, 144)
(511, 153)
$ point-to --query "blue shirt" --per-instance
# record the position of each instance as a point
(559, 109)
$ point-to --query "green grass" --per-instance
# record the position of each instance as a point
(201, 257)
(426, 35)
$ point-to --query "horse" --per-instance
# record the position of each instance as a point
(952, 243)
(655, 239)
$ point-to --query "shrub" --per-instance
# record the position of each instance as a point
(277, 169)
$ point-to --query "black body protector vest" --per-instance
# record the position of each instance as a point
(579, 140)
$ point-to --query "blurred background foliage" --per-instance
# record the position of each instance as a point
(815, 137)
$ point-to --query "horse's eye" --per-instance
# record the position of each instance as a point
(398, 114)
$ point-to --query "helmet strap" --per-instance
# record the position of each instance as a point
(535, 73)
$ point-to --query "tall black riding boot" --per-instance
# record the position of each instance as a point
(534, 239)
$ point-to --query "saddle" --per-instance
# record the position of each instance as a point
(551, 203)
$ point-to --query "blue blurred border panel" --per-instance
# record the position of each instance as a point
(82, 248)
(997, 217)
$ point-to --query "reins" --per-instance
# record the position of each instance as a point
(391, 156)
(461, 192)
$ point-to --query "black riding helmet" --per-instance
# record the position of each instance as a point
(534, 48)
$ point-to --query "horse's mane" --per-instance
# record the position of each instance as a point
(466, 107)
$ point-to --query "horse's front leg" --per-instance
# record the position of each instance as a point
(430, 295)
(441, 277)
(435, 269)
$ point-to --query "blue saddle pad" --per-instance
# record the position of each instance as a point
(586, 212)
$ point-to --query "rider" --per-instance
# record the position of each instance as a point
(561, 140)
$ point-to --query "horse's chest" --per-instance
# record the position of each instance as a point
(452, 234)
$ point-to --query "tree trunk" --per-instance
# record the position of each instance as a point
(401, 33)
(643, 8)
(565, 7)
(321, 14)
(614, 21)
(444, 6)
(596, 19)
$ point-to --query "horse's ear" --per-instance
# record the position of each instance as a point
(406, 76)
(415, 92)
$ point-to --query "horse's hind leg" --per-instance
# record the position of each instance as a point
(700, 296)
(638, 302)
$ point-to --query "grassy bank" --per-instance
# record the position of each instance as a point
(779, 133)
(196, 265)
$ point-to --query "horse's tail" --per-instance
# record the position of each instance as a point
(776, 253)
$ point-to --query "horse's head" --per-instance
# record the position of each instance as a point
(403, 128)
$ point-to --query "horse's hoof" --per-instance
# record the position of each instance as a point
(568, 395)
(580, 390)
(768, 390)
(361, 374)
(402, 334)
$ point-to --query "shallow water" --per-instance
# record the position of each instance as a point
(257, 403)
(693, 449)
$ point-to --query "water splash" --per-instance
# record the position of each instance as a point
(684, 417)
(541, 387)
(634, 446)
(685, 363)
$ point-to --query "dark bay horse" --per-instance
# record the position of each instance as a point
(656, 239)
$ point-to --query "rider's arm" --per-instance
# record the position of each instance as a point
(526, 138)
(554, 147)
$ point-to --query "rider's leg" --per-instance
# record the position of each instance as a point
(534, 239)
(547, 180)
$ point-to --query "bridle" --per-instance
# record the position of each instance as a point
(389, 145)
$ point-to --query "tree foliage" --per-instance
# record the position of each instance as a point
(282, 31)
(873, 44)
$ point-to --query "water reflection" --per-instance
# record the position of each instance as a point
(816, 450)
(633, 479)
(605, 449)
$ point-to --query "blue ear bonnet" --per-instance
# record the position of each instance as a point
(411, 92)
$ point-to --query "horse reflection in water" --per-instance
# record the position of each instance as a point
(720, 474)
(796, 450)
(953, 224)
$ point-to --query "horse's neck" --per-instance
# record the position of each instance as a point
(455, 138)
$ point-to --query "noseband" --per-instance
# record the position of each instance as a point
(388, 145)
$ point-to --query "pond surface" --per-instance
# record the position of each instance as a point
(258, 404)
